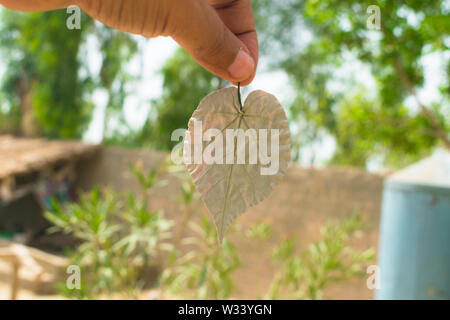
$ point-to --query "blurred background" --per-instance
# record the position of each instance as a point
(86, 118)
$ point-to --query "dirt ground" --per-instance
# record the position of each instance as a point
(25, 292)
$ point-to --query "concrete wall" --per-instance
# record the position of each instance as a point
(299, 206)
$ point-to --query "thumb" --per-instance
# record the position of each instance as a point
(200, 31)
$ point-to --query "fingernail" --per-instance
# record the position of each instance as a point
(242, 67)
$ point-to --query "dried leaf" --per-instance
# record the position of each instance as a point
(230, 189)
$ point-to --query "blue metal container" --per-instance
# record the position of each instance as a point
(414, 247)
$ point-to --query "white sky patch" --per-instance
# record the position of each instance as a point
(94, 134)
(154, 53)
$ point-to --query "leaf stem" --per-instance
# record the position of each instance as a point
(239, 96)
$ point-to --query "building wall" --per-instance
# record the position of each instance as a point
(303, 202)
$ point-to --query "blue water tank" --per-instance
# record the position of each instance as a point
(414, 247)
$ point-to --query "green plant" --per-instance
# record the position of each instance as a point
(259, 231)
(329, 260)
(205, 271)
(47, 85)
(120, 239)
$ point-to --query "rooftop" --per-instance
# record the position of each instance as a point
(24, 155)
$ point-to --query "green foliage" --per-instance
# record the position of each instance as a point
(308, 39)
(43, 58)
(149, 180)
(366, 123)
(277, 24)
(120, 238)
(400, 138)
(46, 63)
(117, 48)
(260, 231)
(384, 127)
(199, 268)
(205, 271)
(185, 84)
(329, 260)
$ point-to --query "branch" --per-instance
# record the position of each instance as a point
(439, 130)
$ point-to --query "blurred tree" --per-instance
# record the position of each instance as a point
(366, 124)
(47, 88)
(185, 83)
(311, 40)
(116, 48)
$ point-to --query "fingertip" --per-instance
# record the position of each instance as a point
(245, 82)
(242, 67)
(250, 41)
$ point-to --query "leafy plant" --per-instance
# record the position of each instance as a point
(47, 87)
(205, 271)
(120, 239)
(260, 231)
(329, 260)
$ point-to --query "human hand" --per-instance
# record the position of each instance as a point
(219, 34)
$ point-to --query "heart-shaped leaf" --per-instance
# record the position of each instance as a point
(238, 182)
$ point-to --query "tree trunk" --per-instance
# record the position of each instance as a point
(29, 126)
